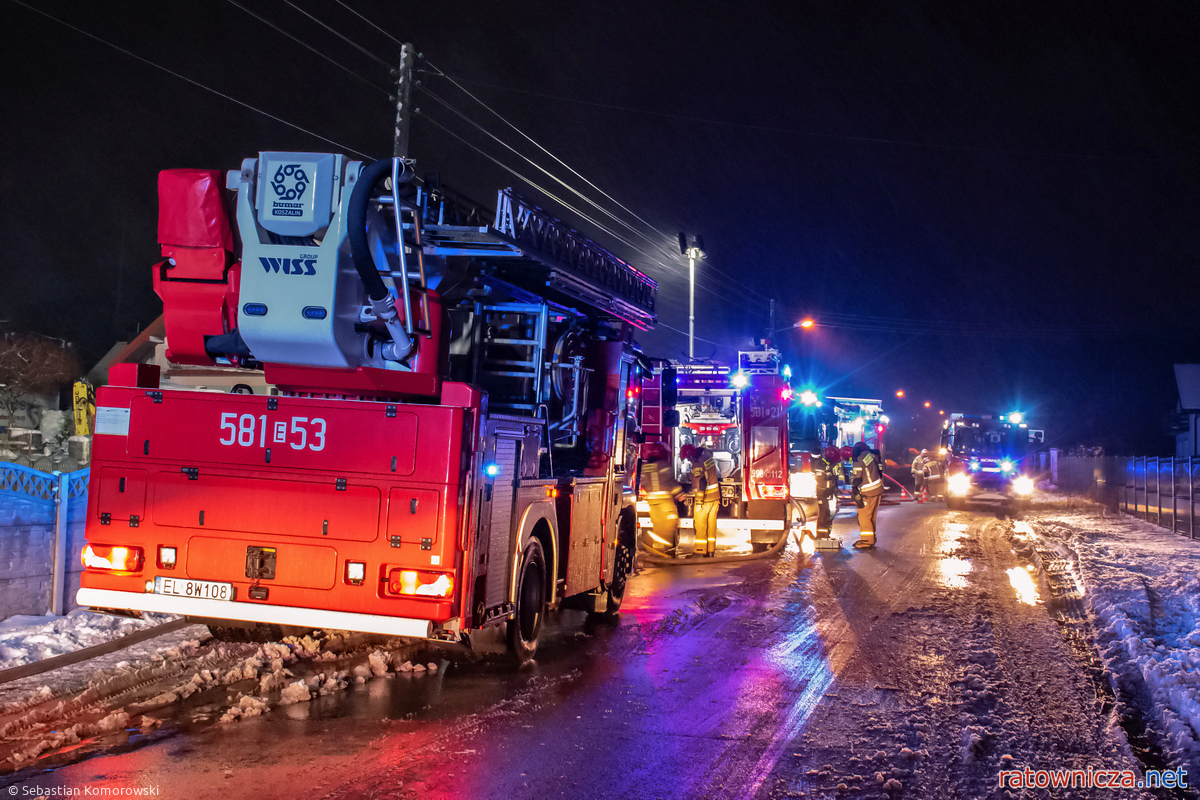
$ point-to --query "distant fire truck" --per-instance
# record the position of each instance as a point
(741, 416)
(986, 454)
(449, 435)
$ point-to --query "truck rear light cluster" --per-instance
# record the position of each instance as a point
(112, 558)
(772, 491)
(420, 583)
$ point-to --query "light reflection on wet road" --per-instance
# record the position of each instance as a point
(700, 691)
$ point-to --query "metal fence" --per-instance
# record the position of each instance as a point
(1157, 489)
(1162, 491)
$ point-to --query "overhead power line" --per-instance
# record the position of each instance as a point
(825, 134)
(193, 82)
(340, 35)
(559, 200)
(308, 46)
(668, 264)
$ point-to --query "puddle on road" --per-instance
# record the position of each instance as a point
(951, 536)
(1022, 583)
(954, 572)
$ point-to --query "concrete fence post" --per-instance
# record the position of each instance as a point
(58, 586)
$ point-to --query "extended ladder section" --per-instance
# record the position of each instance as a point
(526, 247)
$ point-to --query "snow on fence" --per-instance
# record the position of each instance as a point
(41, 538)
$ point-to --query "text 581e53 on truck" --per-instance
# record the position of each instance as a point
(449, 440)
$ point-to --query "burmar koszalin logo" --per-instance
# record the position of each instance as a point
(290, 183)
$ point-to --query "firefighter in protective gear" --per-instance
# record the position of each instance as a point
(920, 486)
(706, 499)
(868, 489)
(661, 490)
(827, 483)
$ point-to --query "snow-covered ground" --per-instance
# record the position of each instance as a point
(24, 639)
(1141, 586)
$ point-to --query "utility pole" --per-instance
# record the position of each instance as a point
(404, 82)
(773, 320)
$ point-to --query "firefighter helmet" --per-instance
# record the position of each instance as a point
(688, 452)
(847, 453)
(833, 454)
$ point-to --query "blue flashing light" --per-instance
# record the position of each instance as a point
(1006, 466)
(314, 312)
(492, 470)
(787, 371)
(255, 309)
(739, 380)
(975, 466)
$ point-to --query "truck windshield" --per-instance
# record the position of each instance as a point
(994, 443)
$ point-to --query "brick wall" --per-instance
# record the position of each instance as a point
(27, 553)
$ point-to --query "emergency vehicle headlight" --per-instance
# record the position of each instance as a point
(420, 583)
(974, 466)
(803, 484)
(356, 572)
(1006, 466)
(166, 557)
(959, 484)
(1023, 484)
(112, 558)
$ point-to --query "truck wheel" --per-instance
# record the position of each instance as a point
(526, 624)
(227, 633)
(260, 632)
(622, 569)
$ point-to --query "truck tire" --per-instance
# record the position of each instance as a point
(259, 632)
(623, 566)
(530, 608)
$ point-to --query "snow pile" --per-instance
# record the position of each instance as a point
(1142, 585)
(24, 639)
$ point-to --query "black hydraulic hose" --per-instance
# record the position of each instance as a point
(356, 224)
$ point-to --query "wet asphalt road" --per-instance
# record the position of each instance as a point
(706, 687)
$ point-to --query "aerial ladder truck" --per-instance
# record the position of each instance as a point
(448, 436)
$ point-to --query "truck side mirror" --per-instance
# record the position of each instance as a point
(671, 418)
(670, 389)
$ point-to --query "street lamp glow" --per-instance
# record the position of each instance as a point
(807, 322)
(927, 404)
(899, 393)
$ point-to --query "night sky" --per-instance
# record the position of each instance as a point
(990, 205)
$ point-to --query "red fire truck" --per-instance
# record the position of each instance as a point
(741, 416)
(448, 435)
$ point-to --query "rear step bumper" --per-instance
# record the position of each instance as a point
(254, 612)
